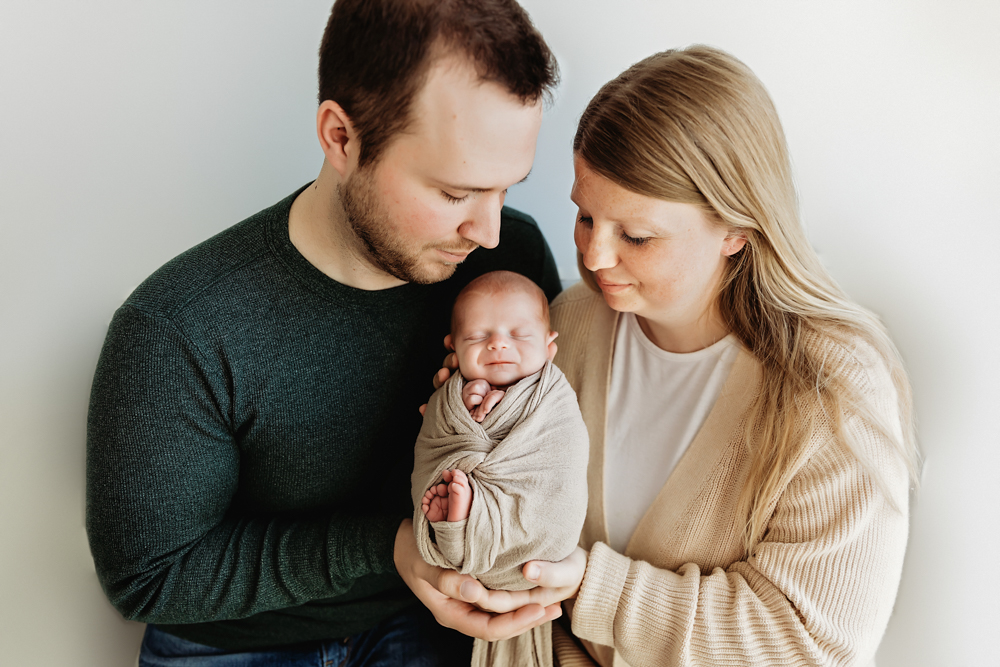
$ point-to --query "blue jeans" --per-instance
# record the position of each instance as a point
(411, 638)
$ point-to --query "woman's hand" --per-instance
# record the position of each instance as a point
(556, 582)
(446, 593)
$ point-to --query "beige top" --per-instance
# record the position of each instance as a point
(818, 589)
(647, 432)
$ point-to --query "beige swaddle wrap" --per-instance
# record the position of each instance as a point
(527, 466)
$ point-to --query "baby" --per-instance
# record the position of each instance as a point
(500, 334)
(500, 465)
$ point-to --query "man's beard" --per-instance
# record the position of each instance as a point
(378, 239)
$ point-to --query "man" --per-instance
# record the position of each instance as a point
(255, 405)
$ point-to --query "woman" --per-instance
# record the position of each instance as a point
(752, 442)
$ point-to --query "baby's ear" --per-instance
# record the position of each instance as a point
(551, 343)
(448, 343)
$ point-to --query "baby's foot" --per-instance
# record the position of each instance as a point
(459, 495)
(435, 503)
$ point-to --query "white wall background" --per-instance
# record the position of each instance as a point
(130, 131)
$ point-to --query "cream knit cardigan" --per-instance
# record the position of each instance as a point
(817, 590)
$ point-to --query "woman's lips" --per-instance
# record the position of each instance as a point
(612, 288)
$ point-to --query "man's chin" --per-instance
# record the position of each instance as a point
(432, 272)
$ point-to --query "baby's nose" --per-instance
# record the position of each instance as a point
(497, 342)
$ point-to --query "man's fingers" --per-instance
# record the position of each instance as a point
(441, 377)
(503, 601)
(423, 408)
(460, 586)
(511, 624)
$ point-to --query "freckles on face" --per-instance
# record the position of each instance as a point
(657, 258)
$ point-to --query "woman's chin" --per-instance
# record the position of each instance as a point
(622, 302)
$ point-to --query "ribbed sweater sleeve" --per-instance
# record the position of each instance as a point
(162, 471)
(818, 590)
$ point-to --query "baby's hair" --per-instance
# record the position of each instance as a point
(502, 282)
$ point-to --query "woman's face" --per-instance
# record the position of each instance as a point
(661, 260)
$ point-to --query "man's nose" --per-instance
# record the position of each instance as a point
(483, 224)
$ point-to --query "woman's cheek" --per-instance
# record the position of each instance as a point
(581, 237)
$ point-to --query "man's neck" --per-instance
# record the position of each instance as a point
(319, 230)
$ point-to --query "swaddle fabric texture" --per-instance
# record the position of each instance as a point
(527, 467)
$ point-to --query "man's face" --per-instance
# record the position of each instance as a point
(436, 192)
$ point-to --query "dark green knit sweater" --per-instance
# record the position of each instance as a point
(251, 436)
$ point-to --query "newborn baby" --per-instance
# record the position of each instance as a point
(500, 464)
(500, 334)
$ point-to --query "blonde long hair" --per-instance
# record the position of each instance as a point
(696, 126)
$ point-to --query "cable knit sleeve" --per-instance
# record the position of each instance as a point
(818, 590)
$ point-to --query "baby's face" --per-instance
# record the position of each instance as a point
(501, 338)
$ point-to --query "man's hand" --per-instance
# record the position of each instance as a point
(450, 596)
(556, 582)
(450, 364)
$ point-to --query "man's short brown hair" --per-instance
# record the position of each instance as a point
(375, 56)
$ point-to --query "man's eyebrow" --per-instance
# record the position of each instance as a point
(469, 188)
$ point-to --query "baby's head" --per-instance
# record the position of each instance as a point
(500, 329)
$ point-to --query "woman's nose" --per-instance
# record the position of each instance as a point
(596, 247)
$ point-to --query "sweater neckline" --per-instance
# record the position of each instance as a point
(316, 281)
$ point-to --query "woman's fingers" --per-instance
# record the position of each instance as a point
(556, 582)
(567, 573)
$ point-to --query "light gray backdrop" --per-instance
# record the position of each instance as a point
(130, 131)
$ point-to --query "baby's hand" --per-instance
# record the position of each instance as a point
(474, 392)
(492, 397)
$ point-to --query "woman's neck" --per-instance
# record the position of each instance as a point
(684, 337)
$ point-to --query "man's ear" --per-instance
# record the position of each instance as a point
(733, 243)
(551, 343)
(337, 137)
(448, 343)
